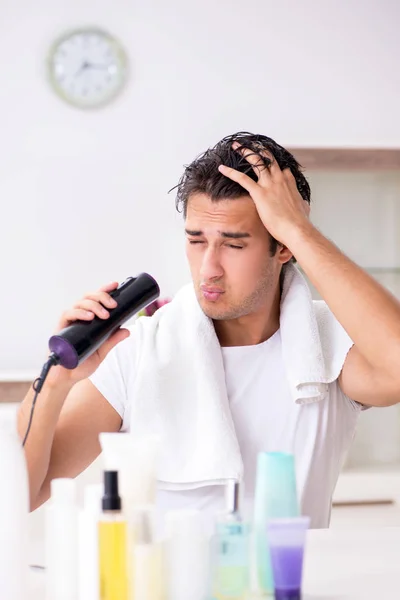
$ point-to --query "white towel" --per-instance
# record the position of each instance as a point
(314, 344)
(180, 387)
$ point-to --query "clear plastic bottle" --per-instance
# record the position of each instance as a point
(230, 552)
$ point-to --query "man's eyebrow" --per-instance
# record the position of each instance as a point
(193, 232)
(233, 235)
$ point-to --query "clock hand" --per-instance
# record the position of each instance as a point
(99, 67)
(85, 65)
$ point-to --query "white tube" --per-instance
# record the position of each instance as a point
(135, 459)
(147, 568)
(88, 570)
(186, 556)
(62, 541)
(14, 509)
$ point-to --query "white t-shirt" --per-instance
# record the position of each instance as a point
(266, 419)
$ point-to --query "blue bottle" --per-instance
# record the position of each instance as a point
(275, 497)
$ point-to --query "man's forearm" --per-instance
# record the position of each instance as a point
(366, 310)
(40, 439)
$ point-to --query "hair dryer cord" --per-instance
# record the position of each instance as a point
(37, 386)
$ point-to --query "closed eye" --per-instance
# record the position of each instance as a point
(194, 242)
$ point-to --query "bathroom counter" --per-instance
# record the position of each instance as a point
(347, 564)
(340, 565)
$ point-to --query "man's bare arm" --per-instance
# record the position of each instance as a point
(368, 312)
(64, 441)
(70, 412)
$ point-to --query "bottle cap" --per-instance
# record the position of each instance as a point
(111, 499)
(232, 496)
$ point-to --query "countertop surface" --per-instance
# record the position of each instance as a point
(359, 564)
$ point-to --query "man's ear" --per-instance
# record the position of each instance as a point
(284, 254)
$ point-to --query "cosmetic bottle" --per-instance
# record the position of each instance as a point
(61, 542)
(287, 541)
(275, 497)
(230, 572)
(14, 508)
(113, 549)
(88, 568)
(186, 551)
(147, 566)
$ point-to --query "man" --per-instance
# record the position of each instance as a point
(245, 204)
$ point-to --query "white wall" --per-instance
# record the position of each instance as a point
(83, 195)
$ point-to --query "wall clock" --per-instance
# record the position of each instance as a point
(87, 67)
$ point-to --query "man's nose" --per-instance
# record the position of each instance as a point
(211, 267)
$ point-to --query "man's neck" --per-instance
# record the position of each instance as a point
(251, 329)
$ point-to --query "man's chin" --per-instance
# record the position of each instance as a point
(216, 313)
(215, 310)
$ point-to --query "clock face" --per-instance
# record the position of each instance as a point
(87, 68)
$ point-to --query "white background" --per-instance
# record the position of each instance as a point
(84, 195)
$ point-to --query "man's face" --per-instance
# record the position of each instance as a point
(228, 250)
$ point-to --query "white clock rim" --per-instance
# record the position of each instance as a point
(120, 52)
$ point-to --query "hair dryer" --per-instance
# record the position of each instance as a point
(75, 343)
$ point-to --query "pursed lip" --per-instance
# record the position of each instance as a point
(211, 290)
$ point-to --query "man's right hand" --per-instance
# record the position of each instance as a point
(91, 305)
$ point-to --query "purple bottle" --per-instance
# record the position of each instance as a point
(286, 538)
